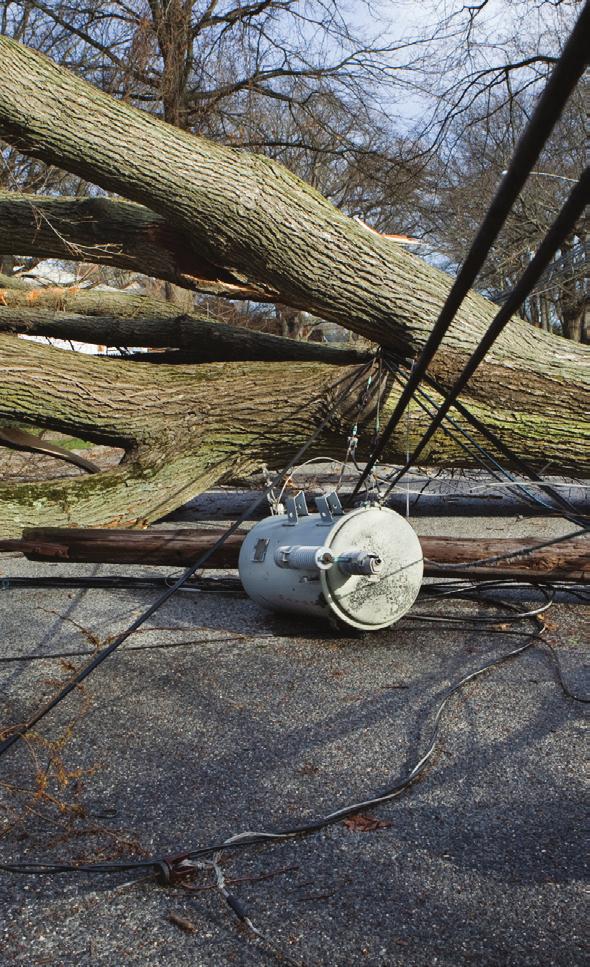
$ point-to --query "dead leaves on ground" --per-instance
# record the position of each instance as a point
(365, 823)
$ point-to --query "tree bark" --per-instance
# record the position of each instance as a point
(249, 216)
(122, 319)
(186, 427)
(112, 232)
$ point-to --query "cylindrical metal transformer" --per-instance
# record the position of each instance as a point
(378, 580)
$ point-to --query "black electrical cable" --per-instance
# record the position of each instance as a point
(454, 586)
(502, 448)
(449, 587)
(481, 453)
(84, 672)
(426, 591)
(116, 582)
(457, 587)
(582, 699)
(160, 646)
(560, 85)
(565, 508)
(559, 230)
(392, 792)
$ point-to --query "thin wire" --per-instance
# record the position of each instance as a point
(435, 589)
(239, 910)
(532, 498)
(407, 451)
(481, 455)
(288, 473)
(513, 483)
(570, 694)
(377, 429)
(249, 838)
(524, 552)
(499, 444)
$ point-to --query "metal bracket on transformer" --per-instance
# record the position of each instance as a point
(295, 508)
(329, 507)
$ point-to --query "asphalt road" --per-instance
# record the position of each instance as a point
(219, 718)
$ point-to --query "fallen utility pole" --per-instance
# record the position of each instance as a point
(567, 561)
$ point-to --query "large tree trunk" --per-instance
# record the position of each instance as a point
(250, 217)
(186, 427)
(244, 222)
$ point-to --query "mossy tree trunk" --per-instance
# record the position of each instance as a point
(185, 427)
(260, 225)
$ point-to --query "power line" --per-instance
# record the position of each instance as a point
(167, 866)
(563, 224)
(560, 85)
(567, 508)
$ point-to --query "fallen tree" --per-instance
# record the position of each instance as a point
(185, 427)
(245, 222)
(250, 217)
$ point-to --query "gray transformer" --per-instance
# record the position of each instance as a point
(362, 569)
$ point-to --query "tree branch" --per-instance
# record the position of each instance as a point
(251, 215)
(122, 319)
(114, 232)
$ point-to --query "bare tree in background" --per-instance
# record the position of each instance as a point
(295, 80)
(215, 67)
(480, 78)
(480, 57)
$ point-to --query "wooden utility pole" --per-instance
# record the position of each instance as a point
(567, 561)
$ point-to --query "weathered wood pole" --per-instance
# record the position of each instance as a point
(567, 561)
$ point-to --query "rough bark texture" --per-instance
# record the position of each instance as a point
(123, 319)
(246, 222)
(179, 548)
(106, 231)
(249, 216)
(186, 427)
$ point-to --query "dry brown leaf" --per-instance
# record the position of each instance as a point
(182, 923)
(365, 823)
